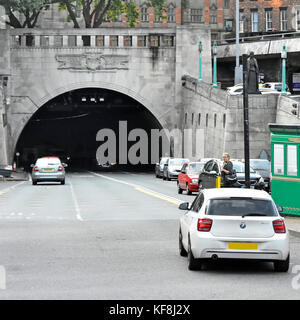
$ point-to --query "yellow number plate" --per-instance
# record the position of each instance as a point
(243, 245)
(48, 169)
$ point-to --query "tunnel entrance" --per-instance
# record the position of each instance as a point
(67, 125)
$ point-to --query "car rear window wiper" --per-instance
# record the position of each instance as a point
(254, 214)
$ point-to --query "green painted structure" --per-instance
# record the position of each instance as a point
(285, 166)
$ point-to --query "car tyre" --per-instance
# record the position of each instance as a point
(193, 264)
(34, 182)
(282, 266)
(188, 191)
(179, 189)
(182, 251)
(63, 181)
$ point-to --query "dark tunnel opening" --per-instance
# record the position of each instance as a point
(67, 126)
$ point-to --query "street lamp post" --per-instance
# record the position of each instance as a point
(283, 82)
(215, 85)
(238, 70)
(200, 61)
(246, 122)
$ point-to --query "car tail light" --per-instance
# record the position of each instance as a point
(60, 168)
(279, 226)
(204, 225)
(36, 168)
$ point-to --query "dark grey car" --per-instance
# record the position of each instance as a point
(212, 169)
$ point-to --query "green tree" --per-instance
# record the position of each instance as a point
(29, 11)
(95, 11)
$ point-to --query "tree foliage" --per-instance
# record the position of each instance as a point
(94, 12)
(29, 11)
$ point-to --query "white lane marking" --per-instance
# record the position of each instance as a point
(142, 189)
(3, 191)
(76, 205)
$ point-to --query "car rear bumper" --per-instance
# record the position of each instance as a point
(208, 246)
(193, 187)
(57, 176)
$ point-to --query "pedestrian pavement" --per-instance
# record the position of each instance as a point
(293, 225)
(17, 176)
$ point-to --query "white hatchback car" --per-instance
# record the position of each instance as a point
(233, 223)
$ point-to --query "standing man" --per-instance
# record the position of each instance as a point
(227, 170)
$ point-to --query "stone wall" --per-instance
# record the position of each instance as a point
(222, 119)
(3, 151)
(288, 110)
(42, 64)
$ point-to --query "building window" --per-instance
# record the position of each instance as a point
(215, 120)
(113, 41)
(283, 19)
(206, 120)
(254, 21)
(142, 41)
(144, 14)
(196, 15)
(279, 159)
(199, 119)
(298, 19)
(226, 4)
(213, 16)
(154, 41)
(99, 41)
(292, 160)
(157, 17)
(242, 21)
(224, 120)
(127, 41)
(167, 41)
(228, 25)
(171, 14)
(269, 16)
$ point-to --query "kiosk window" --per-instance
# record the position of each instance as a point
(291, 160)
(279, 159)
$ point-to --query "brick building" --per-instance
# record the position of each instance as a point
(256, 16)
(265, 16)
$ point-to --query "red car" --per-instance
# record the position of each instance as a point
(188, 177)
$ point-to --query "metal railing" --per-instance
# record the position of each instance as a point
(272, 36)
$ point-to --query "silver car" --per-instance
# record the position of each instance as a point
(48, 169)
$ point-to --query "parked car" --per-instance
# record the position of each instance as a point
(273, 87)
(172, 167)
(48, 169)
(212, 169)
(159, 167)
(235, 90)
(188, 177)
(233, 224)
(262, 167)
(295, 97)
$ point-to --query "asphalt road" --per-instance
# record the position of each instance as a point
(115, 236)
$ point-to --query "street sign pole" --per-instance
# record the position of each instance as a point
(246, 121)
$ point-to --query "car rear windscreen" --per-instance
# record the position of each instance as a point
(48, 161)
(241, 207)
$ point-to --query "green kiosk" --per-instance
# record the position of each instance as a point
(285, 166)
